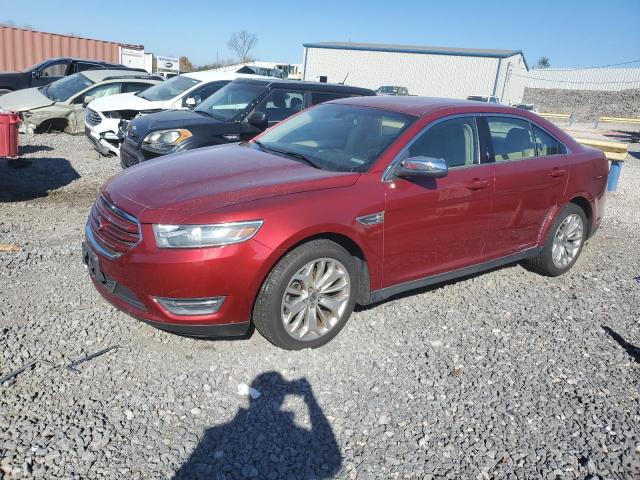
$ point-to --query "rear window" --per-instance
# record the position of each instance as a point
(321, 97)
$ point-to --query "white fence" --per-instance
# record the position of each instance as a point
(611, 79)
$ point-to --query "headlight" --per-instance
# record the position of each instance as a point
(165, 139)
(190, 236)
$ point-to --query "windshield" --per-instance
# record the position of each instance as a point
(230, 100)
(61, 90)
(336, 137)
(168, 89)
(477, 98)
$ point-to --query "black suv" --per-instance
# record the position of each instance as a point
(50, 70)
(237, 112)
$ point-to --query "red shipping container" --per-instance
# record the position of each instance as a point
(9, 134)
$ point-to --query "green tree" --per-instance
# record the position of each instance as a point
(543, 62)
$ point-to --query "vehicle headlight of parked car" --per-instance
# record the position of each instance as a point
(163, 140)
(193, 236)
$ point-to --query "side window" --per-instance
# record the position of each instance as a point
(546, 144)
(202, 93)
(319, 97)
(455, 141)
(83, 66)
(134, 87)
(281, 104)
(99, 91)
(511, 138)
(58, 69)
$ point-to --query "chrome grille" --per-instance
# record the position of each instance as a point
(93, 118)
(114, 231)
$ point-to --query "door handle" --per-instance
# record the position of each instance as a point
(556, 173)
(477, 184)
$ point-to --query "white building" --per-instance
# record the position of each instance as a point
(429, 71)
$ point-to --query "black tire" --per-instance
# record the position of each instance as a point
(543, 263)
(267, 309)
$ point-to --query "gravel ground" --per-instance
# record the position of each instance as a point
(586, 105)
(502, 375)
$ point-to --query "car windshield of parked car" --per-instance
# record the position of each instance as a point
(61, 90)
(477, 98)
(168, 89)
(388, 89)
(230, 100)
(336, 137)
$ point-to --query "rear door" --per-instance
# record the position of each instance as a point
(531, 173)
(434, 225)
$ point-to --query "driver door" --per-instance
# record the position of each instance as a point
(435, 225)
(50, 73)
(76, 122)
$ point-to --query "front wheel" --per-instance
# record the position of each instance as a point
(564, 243)
(308, 296)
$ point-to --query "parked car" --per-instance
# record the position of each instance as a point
(49, 71)
(236, 112)
(61, 105)
(392, 90)
(527, 106)
(107, 118)
(482, 98)
(351, 201)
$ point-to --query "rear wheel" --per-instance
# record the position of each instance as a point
(564, 243)
(308, 296)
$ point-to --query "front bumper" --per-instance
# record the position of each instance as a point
(133, 281)
(132, 154)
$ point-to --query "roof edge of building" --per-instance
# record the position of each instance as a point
(414, 49)
(126, 45)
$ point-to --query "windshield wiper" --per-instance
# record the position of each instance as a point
(297, 155)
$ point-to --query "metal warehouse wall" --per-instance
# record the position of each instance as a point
(20, 48)
(423, 74)
(610, 79)
(512, 80)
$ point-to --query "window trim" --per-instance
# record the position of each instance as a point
(387, 173)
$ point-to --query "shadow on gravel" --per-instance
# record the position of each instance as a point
(623, 135)
(264, 442)
(635, 155)
(26, 149)
(26, 179)
(632, 350)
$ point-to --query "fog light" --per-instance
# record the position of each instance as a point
(191, 306)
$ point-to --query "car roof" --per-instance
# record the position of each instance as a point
(318, 86)
(209, 75)
(79, 59)
(421, 106)
(101, 75)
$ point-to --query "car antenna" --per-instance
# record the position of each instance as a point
(345, 78)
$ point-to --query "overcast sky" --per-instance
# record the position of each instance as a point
(571, 33)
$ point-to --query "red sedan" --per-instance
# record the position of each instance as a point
(351, 201)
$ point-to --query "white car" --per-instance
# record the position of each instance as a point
(104, 115)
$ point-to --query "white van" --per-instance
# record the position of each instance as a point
(106, 118)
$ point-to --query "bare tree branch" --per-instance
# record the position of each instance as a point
(241, 43)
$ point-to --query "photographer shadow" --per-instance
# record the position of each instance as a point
(263, 441)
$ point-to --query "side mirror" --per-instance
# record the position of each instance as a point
(190, 102)
(35, 74)
(87, 100)
(257, 119)
(422, 167)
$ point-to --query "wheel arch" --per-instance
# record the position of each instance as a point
(582, 202)
(342, 239)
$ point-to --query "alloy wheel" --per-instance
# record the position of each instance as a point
(315, 299)
(567, 241)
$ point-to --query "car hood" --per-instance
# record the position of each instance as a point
(171, 119)
(124, 101)
(181, 188)
(23, 100)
